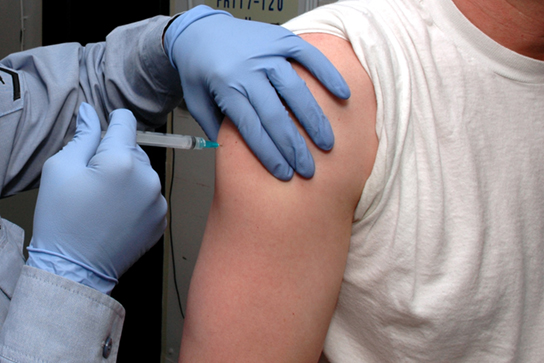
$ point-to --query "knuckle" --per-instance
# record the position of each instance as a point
(121, 162)
(152, 182)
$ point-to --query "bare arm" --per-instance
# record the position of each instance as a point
(273, 255)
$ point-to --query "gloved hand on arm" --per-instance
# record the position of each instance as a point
(99, 206)
(237, 68)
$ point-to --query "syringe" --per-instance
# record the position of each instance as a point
(176, 141)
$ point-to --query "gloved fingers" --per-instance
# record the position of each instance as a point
(86, 139)
(302, 103)
(321, 68)
(120, 138)
(118, 155)
(204, 110)
(280, 127)
(246, 119)
(155, 223)
(157, 220)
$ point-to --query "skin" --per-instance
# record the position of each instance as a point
(515, 24)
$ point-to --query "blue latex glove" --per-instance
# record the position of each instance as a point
(99, 206)
(234, 67)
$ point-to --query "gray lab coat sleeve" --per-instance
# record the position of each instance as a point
(71, 322)
(41, 90)
(47, 318)
(11, 263)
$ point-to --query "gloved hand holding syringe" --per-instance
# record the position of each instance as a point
(176, 141)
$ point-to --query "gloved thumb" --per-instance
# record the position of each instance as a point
(86, 139)
(122, 129)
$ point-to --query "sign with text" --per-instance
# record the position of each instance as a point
(267, 11)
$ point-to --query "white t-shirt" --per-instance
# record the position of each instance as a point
(446, 262)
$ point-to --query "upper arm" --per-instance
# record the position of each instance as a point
(273, 255)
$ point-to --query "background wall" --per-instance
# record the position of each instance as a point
(20, 28)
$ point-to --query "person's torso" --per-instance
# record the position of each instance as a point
(446, 258)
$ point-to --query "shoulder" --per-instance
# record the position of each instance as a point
(349, 163)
